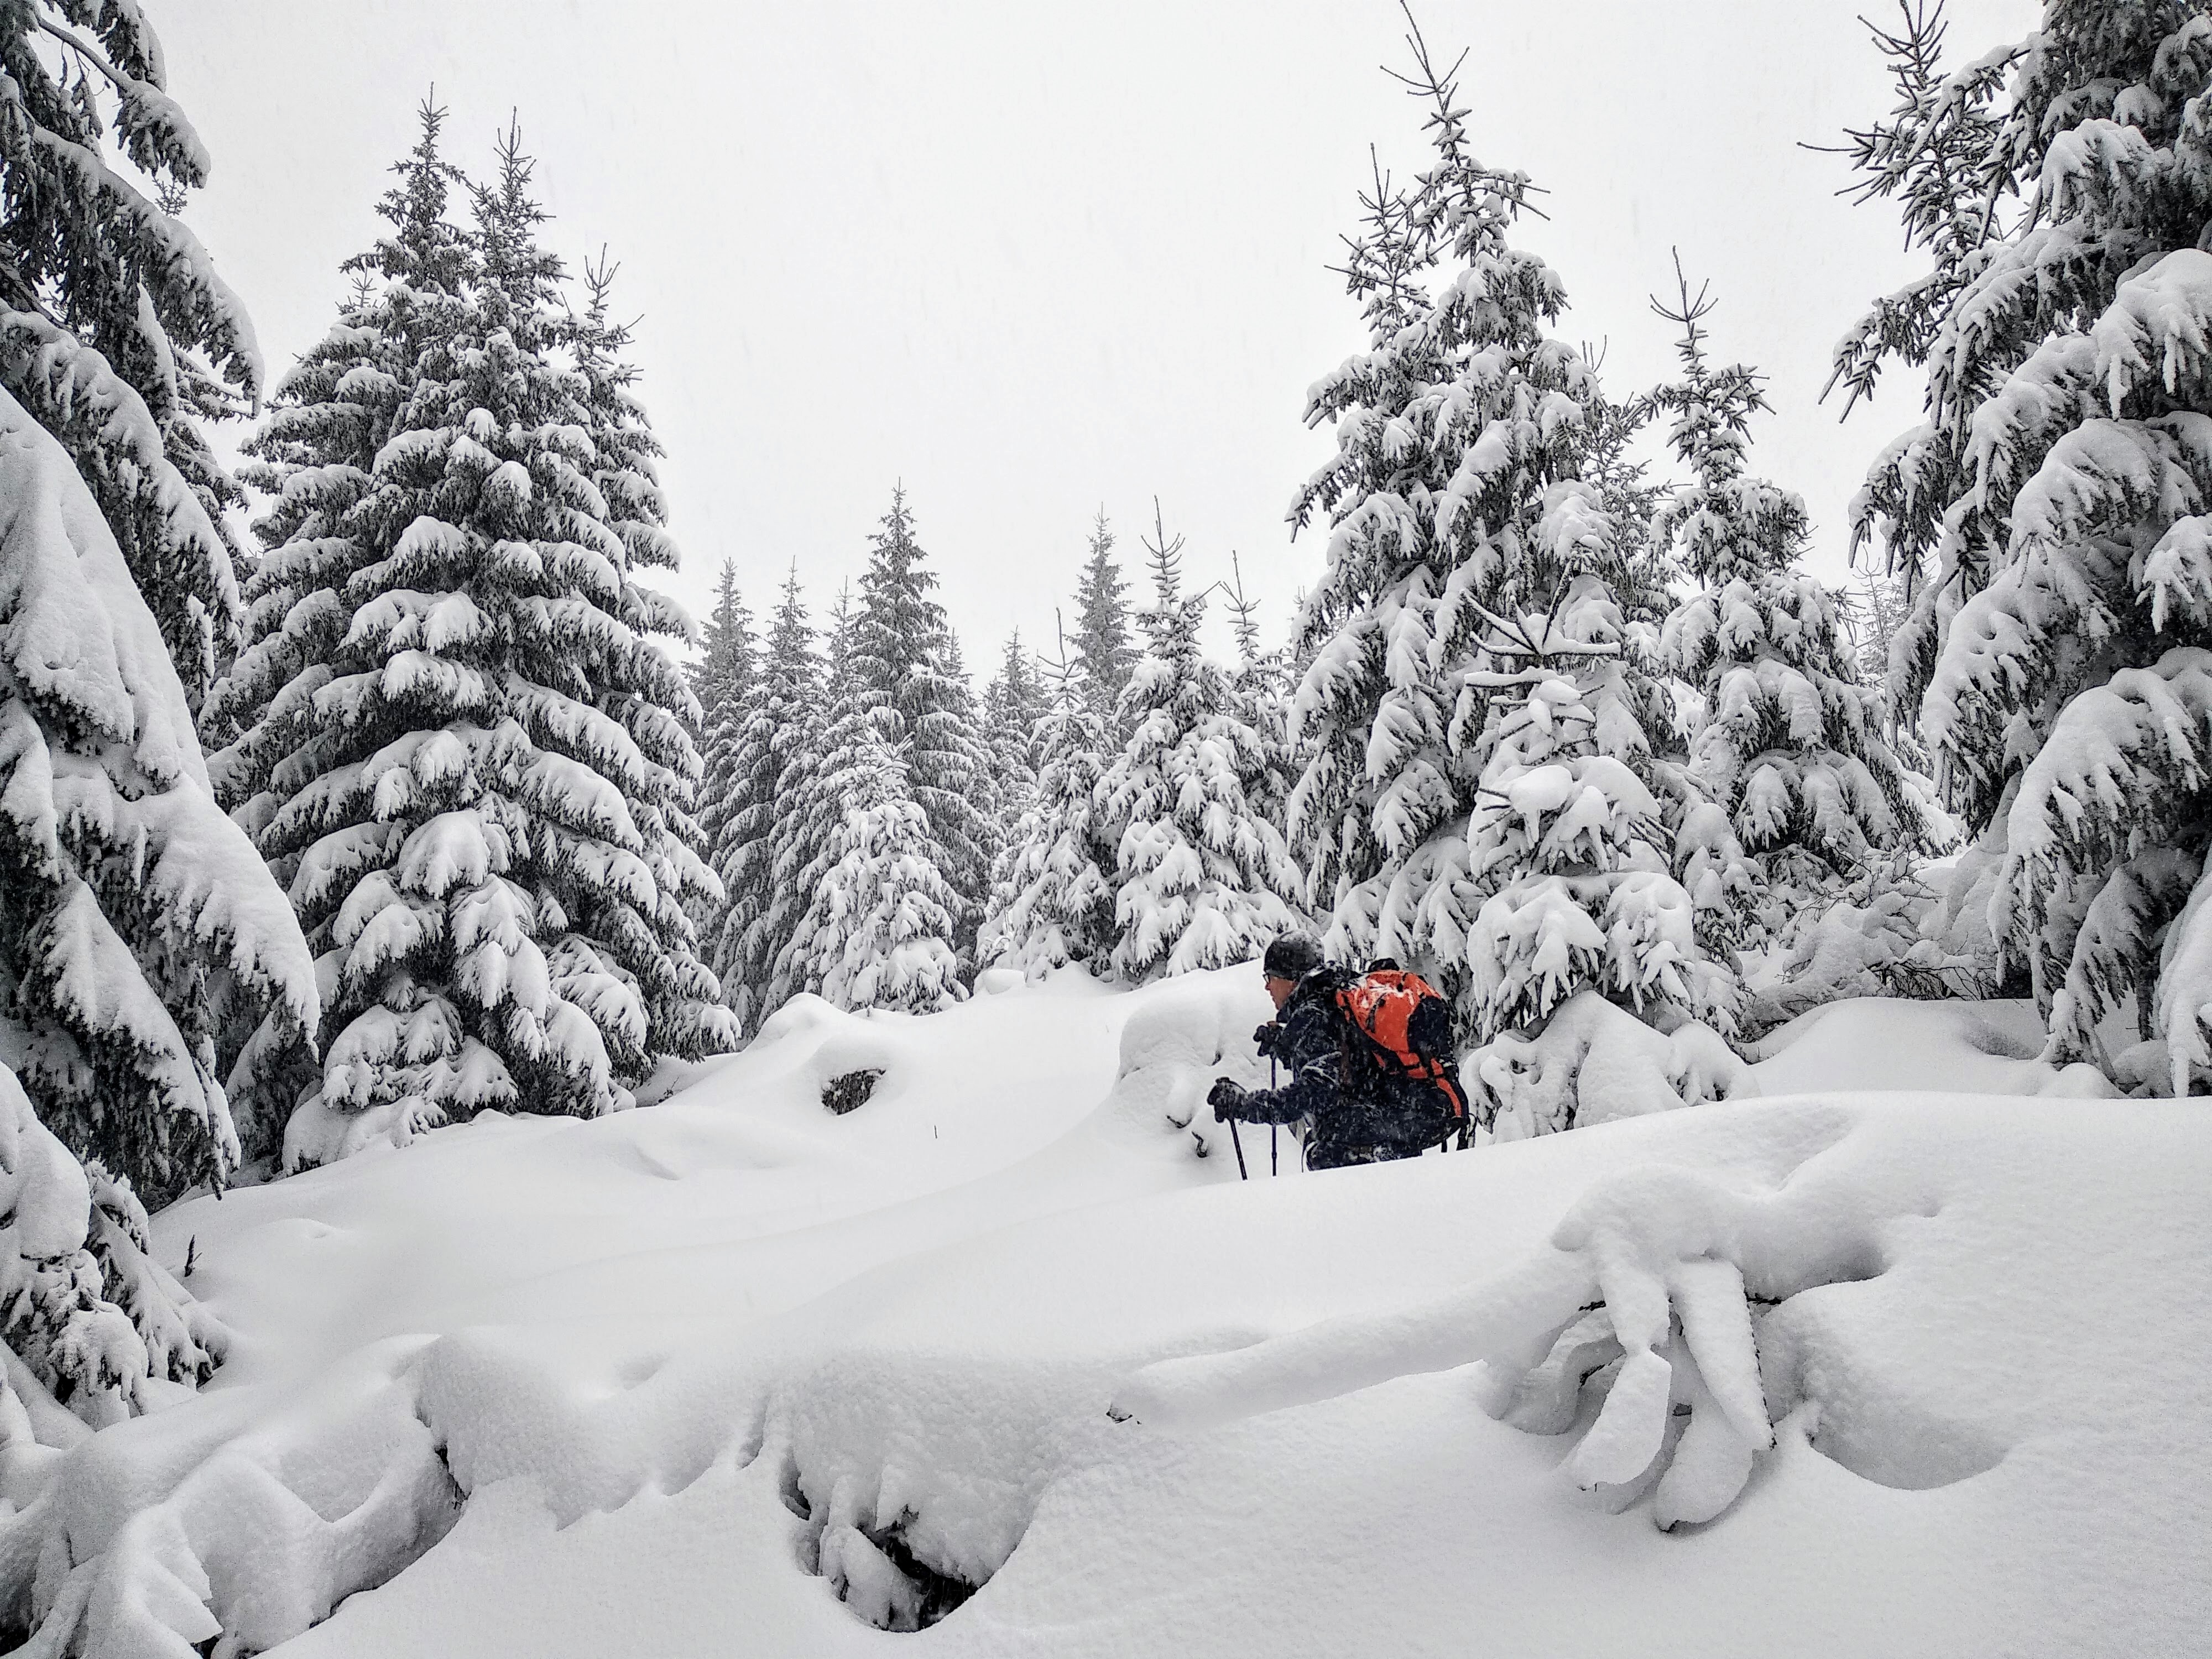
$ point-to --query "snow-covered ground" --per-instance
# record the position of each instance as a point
(732, 1374)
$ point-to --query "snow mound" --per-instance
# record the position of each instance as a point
(1182, 1036)
(1989, 1048)
(1595, 1062)
(1907, 1373)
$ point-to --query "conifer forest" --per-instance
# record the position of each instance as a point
(540, 1113)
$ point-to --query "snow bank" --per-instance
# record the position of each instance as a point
(1989, 1048)
(735, 1370)
(1180, 1037)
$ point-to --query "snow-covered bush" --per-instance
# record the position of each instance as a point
(1593, 1061)
(1895, 933)
(1188, 1032)
(96, 1330)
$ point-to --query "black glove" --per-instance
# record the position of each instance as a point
(1225, 1096)
(1265, 1037)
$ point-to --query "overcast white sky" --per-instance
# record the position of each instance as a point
(1033, 259)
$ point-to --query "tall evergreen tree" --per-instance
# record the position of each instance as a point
(2062, 645)
(473, 770)
(1456, 495)
(116, 334)
(136, 918)
(906, 666)
(770, 772)
(878, 931)
(1790, 749)
(723, 681)
(139, 924)
(1105, 651)
(1013, 703)
(1052, 887)
(314, 458)
(1262, 689)
(1570, 848)
(861, 857)
(629, 680)
(1202, 878)
(835, 728)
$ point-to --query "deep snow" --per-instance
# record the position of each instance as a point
(702, 1368)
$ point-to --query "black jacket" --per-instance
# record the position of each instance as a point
(1354, 1108)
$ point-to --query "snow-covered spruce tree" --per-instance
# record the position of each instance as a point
(137, 919)
(1938, 156)
(1053, 888)
(1630, 498)
(723, 681)
(1790, 749)
(833, 730)
(879, 931)
(857, 853)
(1458, 489)
(631, 680)
(1592, 995)
(1014, 701)
(314, 458)
(1262, 690)
(116, 335)
(1105, 650)
(2062, 478)
(1201, 879)
(906, 665)
(472, 770)
(771, 769)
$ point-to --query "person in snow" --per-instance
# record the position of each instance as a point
(1365, 1118)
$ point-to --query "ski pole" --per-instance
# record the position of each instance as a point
(1273, 1168)
(1239, 1145)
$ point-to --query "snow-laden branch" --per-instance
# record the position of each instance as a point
(1646, 1287)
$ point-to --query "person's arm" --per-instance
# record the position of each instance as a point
(1306, 1059)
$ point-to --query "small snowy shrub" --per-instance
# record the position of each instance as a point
(1895, 934)
(1594, 1061)
(849, 1091)
(93, 1321)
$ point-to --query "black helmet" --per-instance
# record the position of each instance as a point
(1292, 956)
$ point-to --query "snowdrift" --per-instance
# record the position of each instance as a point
(1909, 1372)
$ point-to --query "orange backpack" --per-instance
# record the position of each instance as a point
(1406, 1026)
